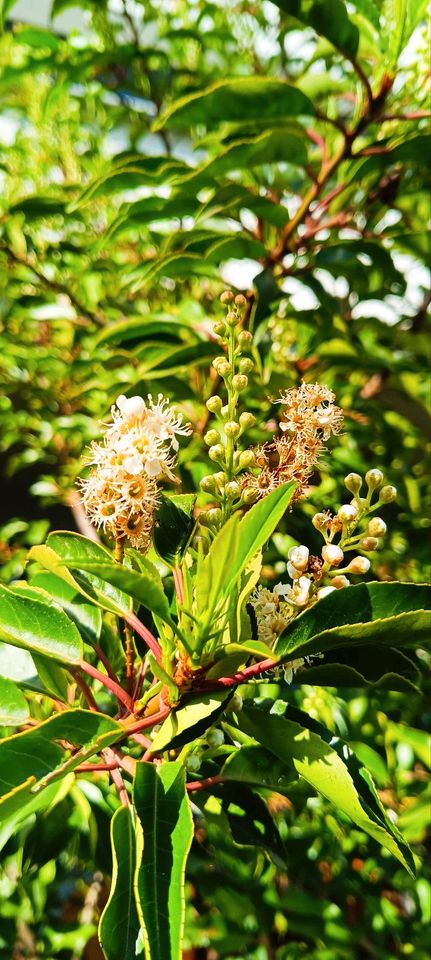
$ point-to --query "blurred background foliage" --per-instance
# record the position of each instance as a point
(154, 155)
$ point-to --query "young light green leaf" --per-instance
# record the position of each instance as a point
(236, 101)
(38, 627)
(255, 529)
(119, 924)
(13, 705)
(194, 715)
(164, 840)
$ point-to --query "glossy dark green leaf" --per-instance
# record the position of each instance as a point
(259, 768)
(387, 669)
(86, 616)
(119, 924)
(13, 705)
(194, 715)
(260, 99)
(174, 525)
(329, 18)
(38, 627)
(164, 839)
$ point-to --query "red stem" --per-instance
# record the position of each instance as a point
(88, 767)
(106, 663)
(83, 686)
(204, 784)
(242, 676)
(146, 721)
(111, 685)
(143, 632)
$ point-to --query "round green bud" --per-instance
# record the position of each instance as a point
(239, 381)
(247, 420)
(249, 495)
(232, 318)
(320, 521)
(232, 429)
(208, 483)
(247, 458)
(215, 738)
(212, 437)
(225, 412)
(216, 452)
(227, 296)
(245, 338)
(220, 478)
(219, 328)
(374, 478)
(218, 360)
(214, 516)
(232, 490)
(235, 704)
(368, 544)
(353, 482)
(377, 527)
(240, 300)
(193, 763)
(246, 365)
(388, 494)
(214, 404)
(224, 369)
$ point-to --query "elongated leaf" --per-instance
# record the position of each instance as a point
(31, 760)
(13, 705)
(328, 772)
(259, 99)
(329, 18)
(393, 614)
(174, 525)
(195, 714)
(38, 627)
(119, 924)
(86, 615)
(98, 577)
(163, 810)
(259, 768)
(255, 529)
(387, 669)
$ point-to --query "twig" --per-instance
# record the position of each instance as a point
(107, 682)
(204, 784)
(146, 721)
(85, 689)
(242, 676)
(179, 585)
(143, 632)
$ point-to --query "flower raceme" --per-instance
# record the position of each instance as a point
(139, 448)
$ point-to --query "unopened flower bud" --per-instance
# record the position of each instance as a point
(388, 494)
(368, 544)
(220, 478)
(377, 527)
(218, 360)
(247, 420)
(353, 482)
(208, 483)
(232, 429)
(332, 554)
(214, 404)
(247, 458)
(225, 412)
(244, 338)
(374, 478)
(214, 516)
(320, 521)
(232, 318)
(232, 490)
(324, 591)
(348, 513)
(359, 565)
(245, 365)
(239, 381)
(219, 328)
(340, 581)
(212, 437)
(294, 572)
(235, 704)
(224, 369)
(299, 557)
(240, 300)
(226, 296)
(215, 738)
(216, 452)
(249, 495)
(131, 406)
(193, 763)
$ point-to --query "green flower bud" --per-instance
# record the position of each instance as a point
(235, 704)
(353, 482)
(232, 490)
(216, 452)
(214, 404)
(232, 428)
(246, 365)
(374, 478)
(193, 763)
(226, 296)
(249, 495)
(218, 361)
(368, 544)
(215, 738)
(219, 328)
(240, 300)
(388, 494)
(215, 516)
(232, 318)
(239, 381)
(377, 527)
(224, 369)
(225, 412)
(220, 478)
(247, 420)
(208, 483)
(245, 338)
(212, 437)
(247, 458)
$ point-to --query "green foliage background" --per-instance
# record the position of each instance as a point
(163, 152)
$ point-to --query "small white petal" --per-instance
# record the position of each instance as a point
(133, 465)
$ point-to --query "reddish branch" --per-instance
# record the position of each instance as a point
(143, 632)
(150, 721)
(203, 784)
(242, 676)
(107, 682)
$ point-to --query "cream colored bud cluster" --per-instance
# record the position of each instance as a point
(309, 418)
(120, 495)
(233, 368)
(345, 523)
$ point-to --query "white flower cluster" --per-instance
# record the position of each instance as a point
(120, 495)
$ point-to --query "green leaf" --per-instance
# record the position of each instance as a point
(87, 616)
(33, 759)
(329, 18)
(379, 613)
(260, 99)
(98, 577)
(38, 627)
(259, 768)
(387, 669)
(418, 740)
(194, 715)
(174, 525)
(13, 705)
(340, 779)
(273, 146)
(119, 924)
(163, 811)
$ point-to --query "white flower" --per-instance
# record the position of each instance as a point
(133, 465)
(359, 565)
(332, 554)
(348, 512)
(291, 668)
(293, 572)
(298, 556)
